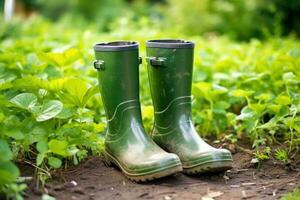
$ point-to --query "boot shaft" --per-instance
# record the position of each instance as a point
(118, 74)
(170, 71)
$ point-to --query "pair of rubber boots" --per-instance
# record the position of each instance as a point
(175, 145)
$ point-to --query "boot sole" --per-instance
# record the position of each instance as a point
(143, 177)
(209, 167)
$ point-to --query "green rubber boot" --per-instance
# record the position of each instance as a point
(170, 69)
(126, 143)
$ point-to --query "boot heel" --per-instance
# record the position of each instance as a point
(107, 160)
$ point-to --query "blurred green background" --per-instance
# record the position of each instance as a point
(239, 19)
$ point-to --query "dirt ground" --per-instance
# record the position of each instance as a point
(94, 180)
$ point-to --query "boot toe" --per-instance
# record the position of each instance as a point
(156, 162)
(156, 166)
(210, 161)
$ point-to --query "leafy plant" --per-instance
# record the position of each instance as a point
(281, 155)
(263, 154)
(51, 114)
(295, 194)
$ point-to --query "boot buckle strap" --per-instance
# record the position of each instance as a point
(99, 64)
(157, 61)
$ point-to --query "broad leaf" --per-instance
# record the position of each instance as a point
(283, 100)
(5, 152)
(58, 147)
(203, 89)
(15, 134)
(8, 172)
(242, 93)
(89, 93)
(65, 113)
(63, 59)
(40, 158)
(57, 84)
(49, 110)
(25, 100)
(54, 162)
(42, 146)
(147, 112)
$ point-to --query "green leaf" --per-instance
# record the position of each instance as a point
(203, 89)
(25, 100)
(263, 97)
(281, 155)
(289, 78)
(76, 90)
(42, 146)
(284, 111)
(8, 172)
(36, 134)
(63, 59)
(57, 84)
(65, 113)
(2, 116)
(289, 121)
(246, 114)
(274, 108)
(147, 112)
(15, 134)
(297, 128)
(283, 100)
(47, 197)
(40, 158)
(49, 110)
(222, 105)
(220, 108)
(5, 85)
(242, 93)
(59, 147)
(30, 83)
(218, 89)
(89, 93)
(100, 127)
(5, 152)
(258, 108)
(54, 162)
(270, 125)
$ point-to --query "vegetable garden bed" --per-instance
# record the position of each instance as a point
(51, 115)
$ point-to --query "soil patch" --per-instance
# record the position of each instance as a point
(94, 180)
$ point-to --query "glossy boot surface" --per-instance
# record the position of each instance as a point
(126, 143)
(170, 69)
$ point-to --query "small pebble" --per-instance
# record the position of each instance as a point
(244, 194)
(73, 183)
(166, 197)
(254, 161)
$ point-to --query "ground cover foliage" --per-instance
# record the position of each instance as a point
(51, 114)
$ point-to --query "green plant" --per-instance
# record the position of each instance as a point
(282, 155)
(220, 17)
(263, 154)
(294, 195)
(51, 115)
